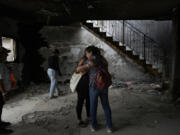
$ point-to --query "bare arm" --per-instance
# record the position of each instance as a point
(80, 64)
(82, 61)
(84, 67)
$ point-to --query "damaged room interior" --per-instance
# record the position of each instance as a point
(84, 67)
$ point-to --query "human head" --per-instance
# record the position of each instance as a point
(56, 52)
(92, 51)
(3, 54)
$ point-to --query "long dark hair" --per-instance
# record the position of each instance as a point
(100, 60)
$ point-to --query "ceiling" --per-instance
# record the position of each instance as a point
(55, 12)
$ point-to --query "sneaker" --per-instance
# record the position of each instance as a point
(109, 130)
(5, 131)
(5, 124)
(93, 129)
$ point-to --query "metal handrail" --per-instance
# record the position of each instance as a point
(140, 32)
(133, 38)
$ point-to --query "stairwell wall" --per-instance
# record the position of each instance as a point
(71, 42)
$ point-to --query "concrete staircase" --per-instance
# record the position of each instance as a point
(141, 53)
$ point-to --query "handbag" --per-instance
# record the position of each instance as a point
(74, 81)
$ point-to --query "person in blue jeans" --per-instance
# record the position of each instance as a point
(53, 71)
(96, 59)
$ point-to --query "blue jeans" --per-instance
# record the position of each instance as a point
(53, 78)
(103, 94)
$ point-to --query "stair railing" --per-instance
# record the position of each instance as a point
(133, 39)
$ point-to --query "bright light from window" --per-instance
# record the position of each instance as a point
(10, 44)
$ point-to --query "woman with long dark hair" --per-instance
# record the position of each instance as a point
(95, 60)
(83, 94)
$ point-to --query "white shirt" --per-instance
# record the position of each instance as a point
(5, 76)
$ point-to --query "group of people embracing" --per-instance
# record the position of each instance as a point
(88, 90)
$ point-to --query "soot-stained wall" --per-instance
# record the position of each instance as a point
(71, 42)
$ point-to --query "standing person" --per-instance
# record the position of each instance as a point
(83, 94)
(5, 85)
(53, 71)
(95, 60)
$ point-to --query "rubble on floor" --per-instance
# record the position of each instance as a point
(133, 110)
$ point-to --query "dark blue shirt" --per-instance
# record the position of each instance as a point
(53, 63)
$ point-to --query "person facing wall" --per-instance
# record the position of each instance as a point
(53, 72)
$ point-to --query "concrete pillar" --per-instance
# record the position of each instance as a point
(175, 77)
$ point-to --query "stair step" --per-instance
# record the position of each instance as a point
(116, 43)
(129, 52)
(88, 25)
(95, 25)
(157, 68)
(134, 53)
(135, 56)
(149, 65)
(102, 29)
(142, 61)
(96, 30)
(128, 49)
(160, 71)
(103, 34)
(123, 48)
(109, 39)
(108, 34)
(88, 21)
(141, 58)
(121, 44)
(147, 62)
(154, 67)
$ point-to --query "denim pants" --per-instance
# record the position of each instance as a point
(103, 94)
(53, 79)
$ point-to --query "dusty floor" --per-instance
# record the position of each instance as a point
(136, 110)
